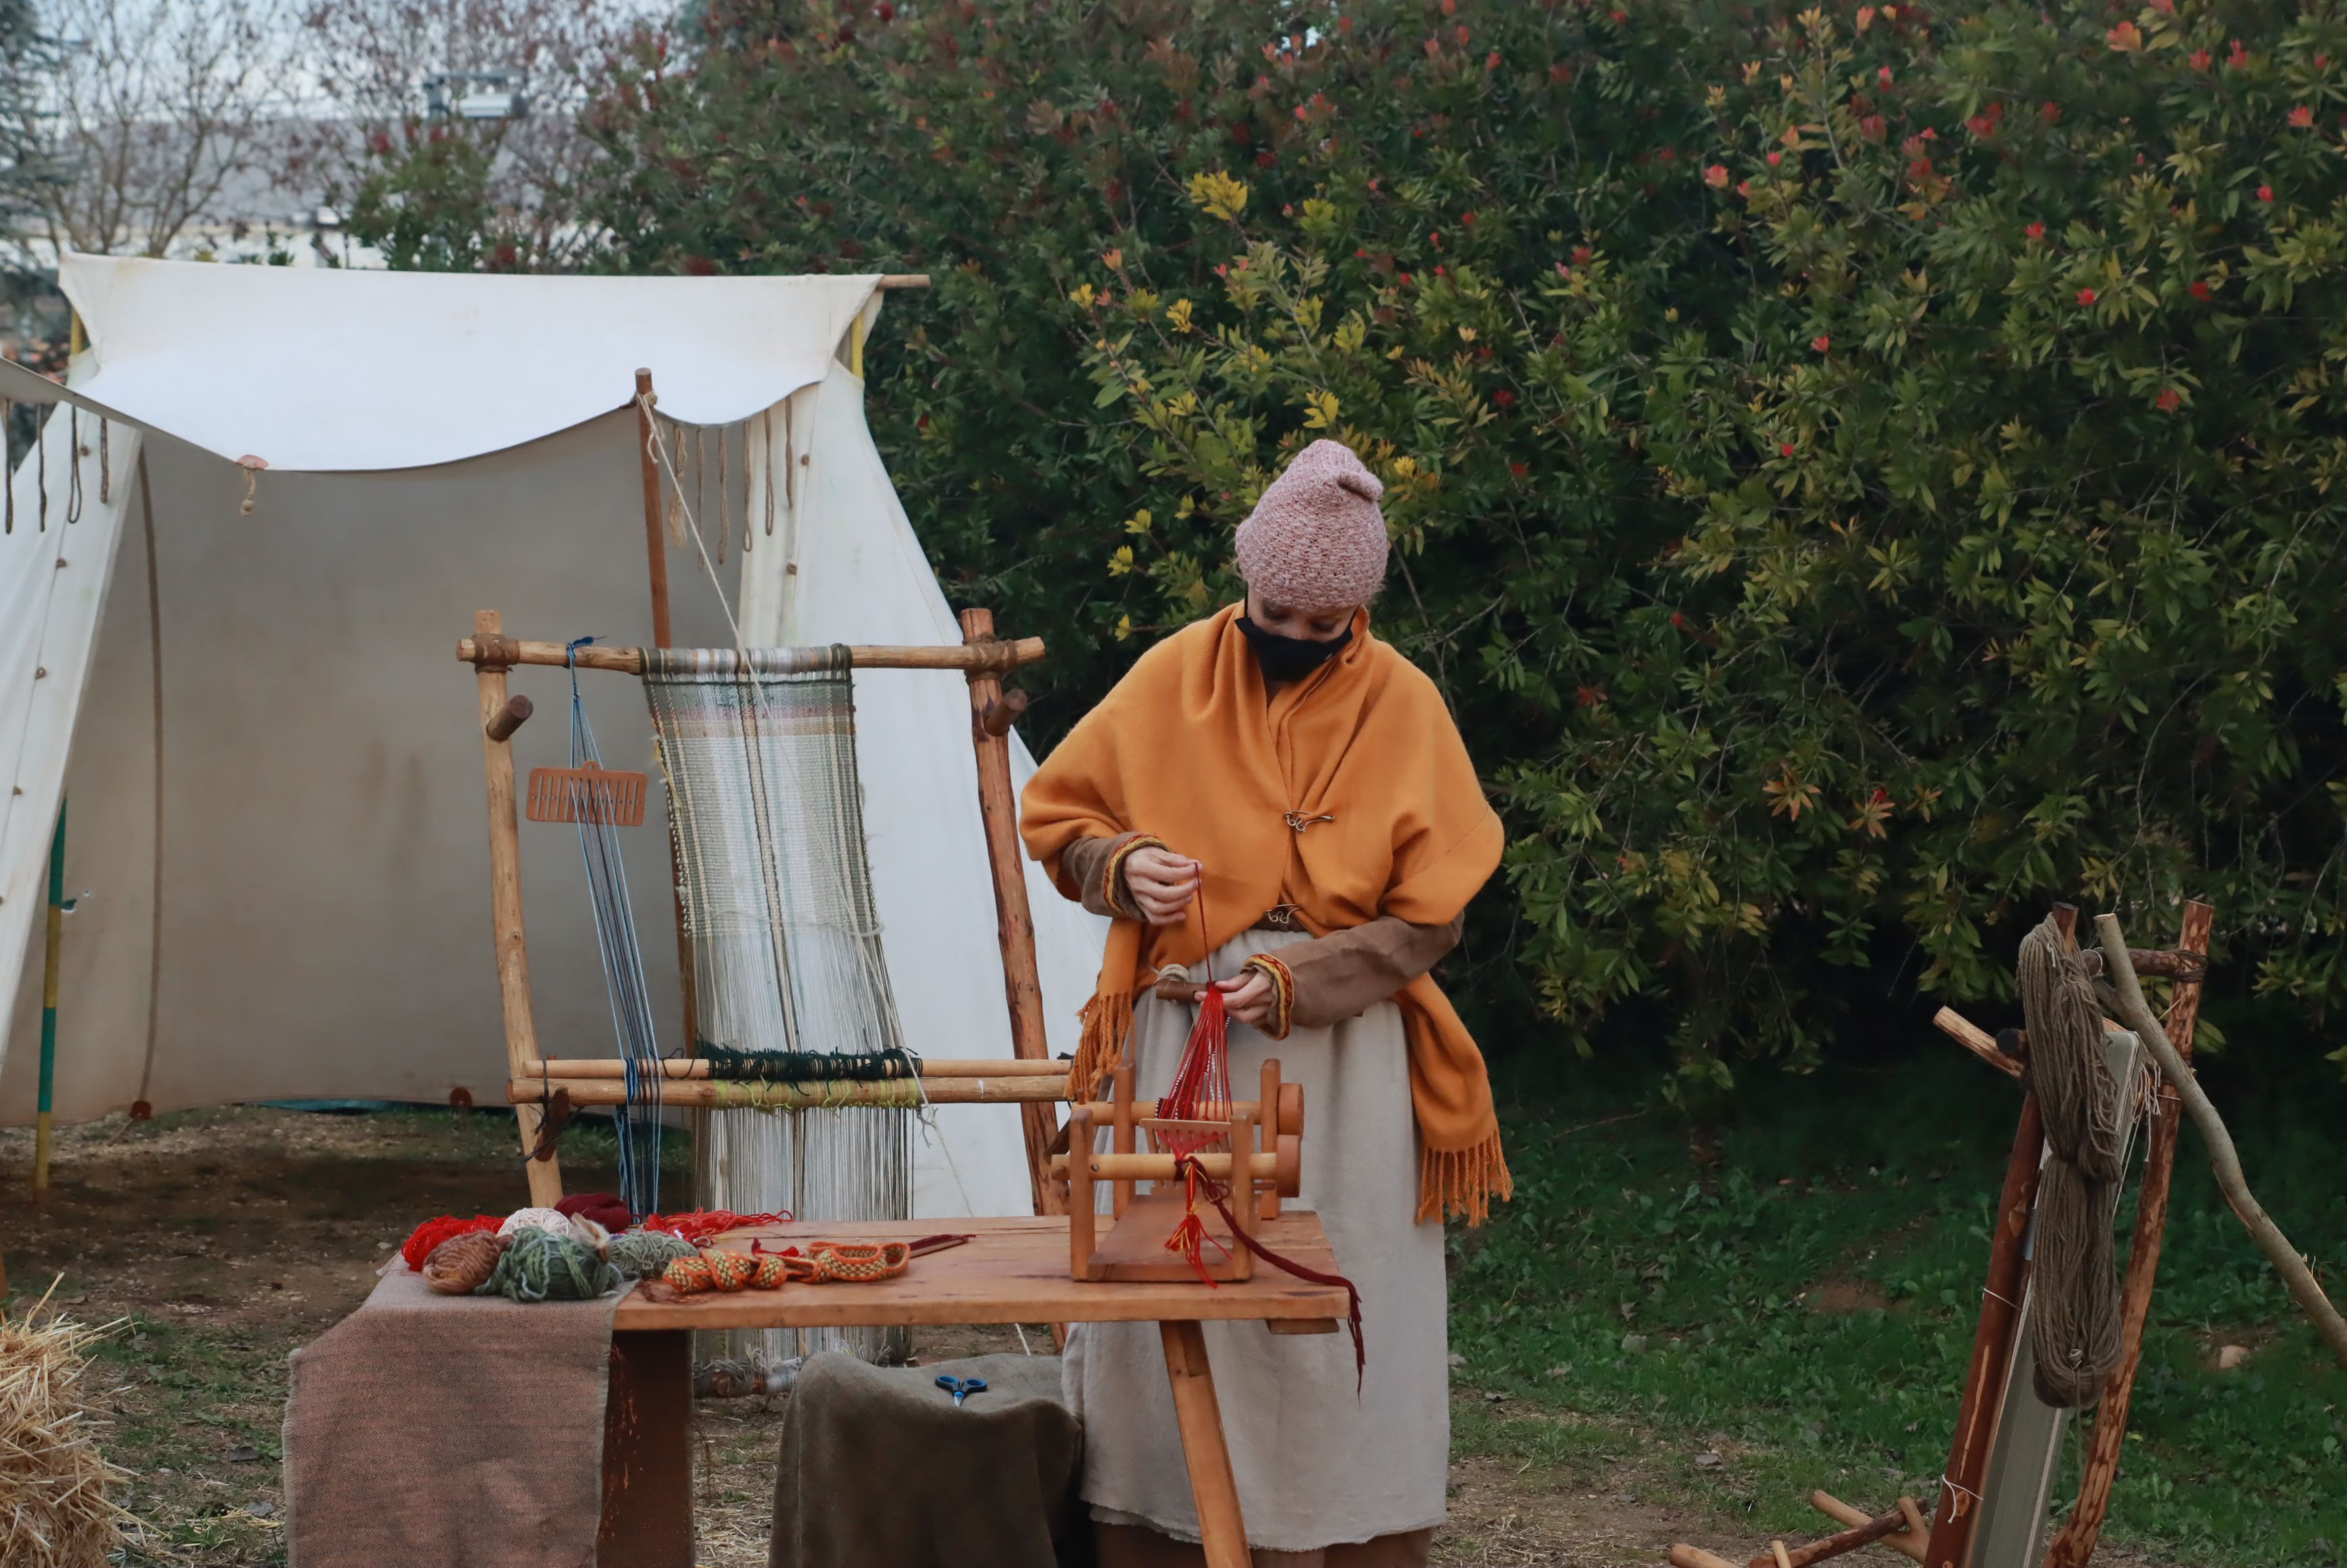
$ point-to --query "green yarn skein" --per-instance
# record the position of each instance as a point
(539, 1265)
(642, 1255)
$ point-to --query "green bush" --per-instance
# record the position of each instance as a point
(1857, 478)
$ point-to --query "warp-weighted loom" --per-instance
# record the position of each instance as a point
(791, 1004)
(2056, 1332)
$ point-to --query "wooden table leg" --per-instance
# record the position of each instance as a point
(1212, 1484)
(648, 1453)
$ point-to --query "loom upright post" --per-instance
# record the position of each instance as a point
(656, 555)
(1022, 985)
(505, 898)
(50, 963)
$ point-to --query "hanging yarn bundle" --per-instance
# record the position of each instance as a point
(645, 1255)
(1203, 1078)
(463, 1264)
(420, 1242)
(637, 1121)
(539, 1265)
(2075, 1311)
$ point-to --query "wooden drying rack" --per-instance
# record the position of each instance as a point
(1030, 1079)
(1945, 1540)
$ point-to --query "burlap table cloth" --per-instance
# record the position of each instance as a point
(457, 1431)
(878, 1467)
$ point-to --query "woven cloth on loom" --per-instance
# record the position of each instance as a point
(428, 1428)
(877, 1466)
(759, 751)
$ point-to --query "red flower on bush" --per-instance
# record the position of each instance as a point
(1519, 470)
(1784, 450)
(1821, 343)
(2265, 193)
(2200, 289)
(2238, 58)
(1504, 398)
(1774, 158)
(2300, 117)
(2125, 39)
(1492, 61)
(1581, 255)
(1468, 218)
(1883, 75)
(2167, 402)
(2199, 59)
(2085, 296)
(1715, 176)
(2035, 230)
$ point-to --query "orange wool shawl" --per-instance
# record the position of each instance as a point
(1362, 753)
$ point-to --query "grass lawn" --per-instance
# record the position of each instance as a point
(1644, 1356)
(1802, 1315)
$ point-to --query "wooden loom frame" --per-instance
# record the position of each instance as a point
(1030, 1079)
(1946, 1541)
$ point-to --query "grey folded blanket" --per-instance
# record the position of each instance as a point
(878, 1467)
(461, 1431)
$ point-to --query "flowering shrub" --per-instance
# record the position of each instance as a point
(1857, 478)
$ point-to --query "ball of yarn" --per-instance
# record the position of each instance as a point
(539, 1265)
(689, 1275)
(428, 1236)
(644, 1255)
(730, 1271)
(605, 1209)
(552, 1221)
(590, 1235)
(462, 1263)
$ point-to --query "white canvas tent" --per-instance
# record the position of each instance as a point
(272, 755)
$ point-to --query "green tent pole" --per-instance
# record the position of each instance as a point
(57, 937)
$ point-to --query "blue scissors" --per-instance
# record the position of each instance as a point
(961, 1388)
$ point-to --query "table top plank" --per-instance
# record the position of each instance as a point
(1015, 1270)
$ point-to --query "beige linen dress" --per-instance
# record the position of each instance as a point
(1317, 1464)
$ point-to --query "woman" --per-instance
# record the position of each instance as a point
(1275, 788)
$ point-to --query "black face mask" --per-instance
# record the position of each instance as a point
(1291, 658)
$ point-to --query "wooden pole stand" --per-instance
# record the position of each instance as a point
(505, 903)
(1014, 920)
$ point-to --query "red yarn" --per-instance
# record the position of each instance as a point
(433, 1232)
(605, 1209)
(1203, 1078)
(697, 1225)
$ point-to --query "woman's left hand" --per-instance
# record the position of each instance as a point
(1248, 997)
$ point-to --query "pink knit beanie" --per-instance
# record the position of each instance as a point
(1316, 541)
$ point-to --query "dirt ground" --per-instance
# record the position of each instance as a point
(217, 1241)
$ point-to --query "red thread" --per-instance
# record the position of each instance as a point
(1218, 1194)
(433, 1232)
(697, 1225)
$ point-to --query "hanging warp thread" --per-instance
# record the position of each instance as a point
(760, 750)
(8, 456)
(2074, 1307)
(639, 1120)
(1203, 1078)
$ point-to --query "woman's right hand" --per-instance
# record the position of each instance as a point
(1162, 884)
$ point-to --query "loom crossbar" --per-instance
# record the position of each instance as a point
(993, 656)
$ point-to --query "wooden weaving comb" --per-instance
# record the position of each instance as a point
(591, 794)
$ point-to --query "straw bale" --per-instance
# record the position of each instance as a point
(54, 1508)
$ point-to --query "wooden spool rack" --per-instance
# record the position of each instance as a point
(1262, 1161)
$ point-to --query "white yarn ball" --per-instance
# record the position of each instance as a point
(551, 1220)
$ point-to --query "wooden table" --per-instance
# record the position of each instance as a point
(1013, 1271)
